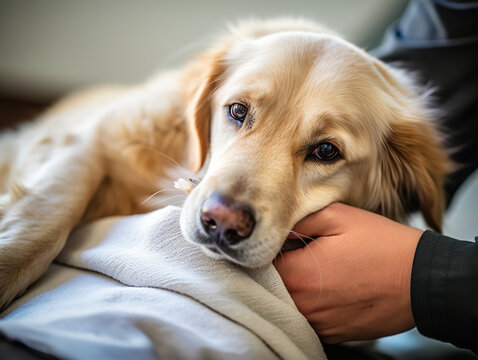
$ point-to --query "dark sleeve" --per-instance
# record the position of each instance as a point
(444, 290)
(438, 41)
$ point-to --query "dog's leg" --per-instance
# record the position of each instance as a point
(39, 213)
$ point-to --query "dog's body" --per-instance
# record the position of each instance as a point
(289, 117)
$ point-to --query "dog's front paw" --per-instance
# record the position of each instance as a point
(12, 283)
(20, 264)
(8, 290)
(18, 272)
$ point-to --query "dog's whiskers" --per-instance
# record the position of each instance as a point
(159, 202)
(268, 248)
(302, 238)
(153, 149)
(157, 193)
(281, 253)
(164, 155)
(305, 237)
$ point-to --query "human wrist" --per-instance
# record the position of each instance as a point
(402, 277)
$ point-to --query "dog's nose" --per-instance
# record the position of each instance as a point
(225, 221)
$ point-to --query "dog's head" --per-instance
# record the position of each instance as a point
(292, 119)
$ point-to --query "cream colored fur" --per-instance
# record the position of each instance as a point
(106, 151)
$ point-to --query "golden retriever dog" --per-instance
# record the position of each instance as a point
(282, 118)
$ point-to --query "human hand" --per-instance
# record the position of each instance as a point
(353, 281)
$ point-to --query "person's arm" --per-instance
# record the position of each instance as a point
(444, 289)
(364, 277)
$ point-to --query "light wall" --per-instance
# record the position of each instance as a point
(51, 46)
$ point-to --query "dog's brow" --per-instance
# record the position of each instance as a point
(324, 128)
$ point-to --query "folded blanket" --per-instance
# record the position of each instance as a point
(158, 297)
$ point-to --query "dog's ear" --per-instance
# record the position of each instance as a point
(413, 166)
(204, 77)
(413, 162)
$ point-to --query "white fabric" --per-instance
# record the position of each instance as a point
(158, 297)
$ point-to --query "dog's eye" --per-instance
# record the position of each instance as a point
(238, 112)
(326, 152)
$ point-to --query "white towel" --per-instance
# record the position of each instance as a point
(167, 300)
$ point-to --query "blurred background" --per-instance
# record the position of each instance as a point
(50, 47)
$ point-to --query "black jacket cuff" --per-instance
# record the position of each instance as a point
(444, 290)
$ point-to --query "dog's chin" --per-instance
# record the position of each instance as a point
(250, 262)
(212, 252)
(218, 254)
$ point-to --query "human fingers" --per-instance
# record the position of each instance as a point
(325, 222)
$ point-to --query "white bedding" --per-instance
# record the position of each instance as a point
(133, 288)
